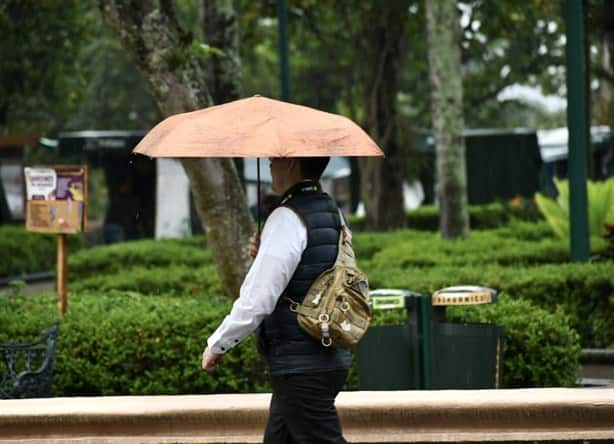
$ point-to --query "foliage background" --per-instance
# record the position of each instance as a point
(64, 69)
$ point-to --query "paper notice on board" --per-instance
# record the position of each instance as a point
(59, 216)
(40, 183)
(70, 185)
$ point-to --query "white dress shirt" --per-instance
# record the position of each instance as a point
(282, 242)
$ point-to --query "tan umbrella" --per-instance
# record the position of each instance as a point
(257, 127)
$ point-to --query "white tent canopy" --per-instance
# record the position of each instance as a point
(337, 167)
(553, 143)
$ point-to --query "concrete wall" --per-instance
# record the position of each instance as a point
(367, 417)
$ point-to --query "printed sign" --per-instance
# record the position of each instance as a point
(40, 183)
(57, 199)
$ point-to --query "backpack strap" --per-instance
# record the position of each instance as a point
(344, 226)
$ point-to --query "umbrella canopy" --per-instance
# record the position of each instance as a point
(257, 127)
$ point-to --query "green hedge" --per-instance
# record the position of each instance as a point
(107, 260)
(173, 280)
(528, 239)
(26, 252)
(481, 217)
(483, 248)
(540, 348)
(127, 344)
(584, 291)
(523, 259)
(118, 343)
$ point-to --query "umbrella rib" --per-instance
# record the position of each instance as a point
(271, 122)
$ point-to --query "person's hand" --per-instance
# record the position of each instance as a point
(211, 361)
(254, 244)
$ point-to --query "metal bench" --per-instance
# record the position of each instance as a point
(26, 369)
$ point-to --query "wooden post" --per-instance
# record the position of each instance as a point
(62, 274)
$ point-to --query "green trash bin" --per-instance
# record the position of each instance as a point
(427, 352)
(464, 355)
(388, 357)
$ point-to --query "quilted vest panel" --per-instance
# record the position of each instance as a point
(284, 345)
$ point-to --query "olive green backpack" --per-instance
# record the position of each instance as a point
(336, 308)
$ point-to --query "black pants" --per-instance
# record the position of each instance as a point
(303, 409)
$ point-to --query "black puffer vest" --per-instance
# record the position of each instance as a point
(284, 345)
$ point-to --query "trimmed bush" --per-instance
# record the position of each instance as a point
(128, 344)
(526, 231)
(174, 280)
(106, 260)
(25, 252)
(367, 244)
(523, 259)
(584, 291)
(520, 233)
(426, 217)
(540, 349)
(483, 248)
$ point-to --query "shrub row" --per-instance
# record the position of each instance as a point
(149, 267)
(523, 259)
(540, 348)
(584, 291)
(106, 260)
(127, 344)
(482, 248)
(481, 217)
(118, 343)
(26, 252)
(173, 280)
(530, 239)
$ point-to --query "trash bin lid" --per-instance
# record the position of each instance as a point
(389, 298)
(464, 295)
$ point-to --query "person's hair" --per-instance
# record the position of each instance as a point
(313, 167)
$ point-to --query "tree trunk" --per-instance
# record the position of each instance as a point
(223, 72)
(221, 30)
(228, 221)
(443, 32)
(174, 71)
(382, 179)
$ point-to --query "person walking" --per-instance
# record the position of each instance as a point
(299, 241)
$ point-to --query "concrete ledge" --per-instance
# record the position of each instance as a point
(404, 416)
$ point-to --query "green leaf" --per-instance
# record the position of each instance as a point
(600, 208)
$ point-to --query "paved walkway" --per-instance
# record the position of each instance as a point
(32, 288)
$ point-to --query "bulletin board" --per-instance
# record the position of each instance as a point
(56, 198)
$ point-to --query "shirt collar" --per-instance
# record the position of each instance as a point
(304, 186)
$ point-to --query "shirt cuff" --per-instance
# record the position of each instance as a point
(220, 346)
